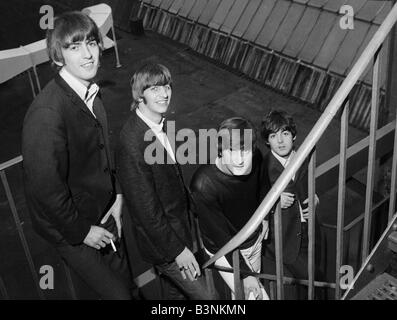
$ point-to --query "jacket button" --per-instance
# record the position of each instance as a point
(101, 146)
(110, 192)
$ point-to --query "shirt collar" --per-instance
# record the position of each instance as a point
(282, 160)
(82, 91)
(156, 127)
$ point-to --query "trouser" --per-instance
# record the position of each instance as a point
(253, 258)
(177, 288)
(105, 271)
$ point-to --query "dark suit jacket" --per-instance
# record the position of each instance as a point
(68, 172)
(155, 195)
(291, 223)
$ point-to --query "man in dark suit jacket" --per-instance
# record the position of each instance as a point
(279, 133)
(68, 172)
(154, 189)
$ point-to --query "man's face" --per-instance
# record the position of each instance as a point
(281, 143)
(156, 99)
(237, 162)
(81, 60)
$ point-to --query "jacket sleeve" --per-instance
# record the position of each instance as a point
(139, 190)
(212, 222)
(45, 160)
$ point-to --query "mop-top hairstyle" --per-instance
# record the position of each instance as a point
(147, 76)
(71, 27)
(275, 121)
(236, 134)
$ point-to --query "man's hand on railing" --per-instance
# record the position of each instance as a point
(286, 200)
(188, 265)
(252, 284)
(306, 210)
(98, 237)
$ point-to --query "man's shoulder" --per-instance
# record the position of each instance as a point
(50, 97)
(203, 178)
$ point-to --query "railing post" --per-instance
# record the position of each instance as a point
(312, 230)
(279, 251)
(341, 197)
(69, 281)
(3, 289)
(371, 154)
(392, 203)
(238, 286)
(21, 234)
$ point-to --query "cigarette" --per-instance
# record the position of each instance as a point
(113, 246)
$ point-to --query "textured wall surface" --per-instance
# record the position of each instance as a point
(295, 46)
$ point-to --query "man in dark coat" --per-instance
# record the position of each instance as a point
(153, 186)
(68, 172)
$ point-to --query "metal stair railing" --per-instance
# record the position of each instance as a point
(339, 101)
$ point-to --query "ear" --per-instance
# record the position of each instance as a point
(293, 139)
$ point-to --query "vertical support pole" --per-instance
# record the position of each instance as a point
(3, 289)
(312, 230)
(371, 155)
(391, 105)
(36, 78)
(21, 234)
(118, 64)
(279, 252)
(341, 196)
(392, 202)
(69, 281)
(31, 84)
(238, 285)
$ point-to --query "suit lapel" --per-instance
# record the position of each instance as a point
(76, 100)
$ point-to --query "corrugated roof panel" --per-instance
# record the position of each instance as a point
(301, 32)
(209, 12)
(147, 1)
(317, 3)
(234, 15)
(369, 10)
(368, 36)
(176, 6)
(334, 5)
(284, 32)
(301, 1)
(383, 67)
(166, 4)
(156, 3)
(357, 4)
(246, 17)
(383, 12)
(186, 7)
(197, 9)
(273, 22)
(345, 56)
(330, 46)
(221, 13)
(317, 37)
(258, 20)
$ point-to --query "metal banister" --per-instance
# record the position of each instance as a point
(312, 138)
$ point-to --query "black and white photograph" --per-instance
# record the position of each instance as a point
(196, 156)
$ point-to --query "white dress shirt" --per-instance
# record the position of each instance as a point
(157, 128)
(86, 94)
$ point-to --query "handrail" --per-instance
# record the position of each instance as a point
(312, 138)
(10, 163)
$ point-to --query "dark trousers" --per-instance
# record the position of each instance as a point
(104, 271)
(177, 288)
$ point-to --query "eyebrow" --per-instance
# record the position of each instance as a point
(68, 44)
